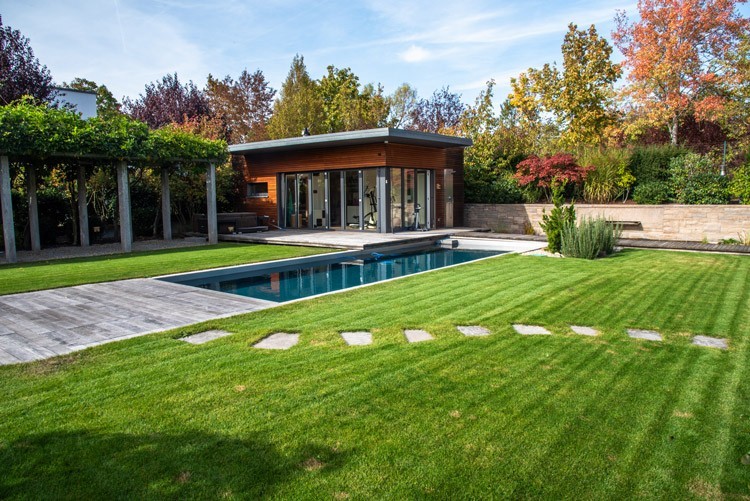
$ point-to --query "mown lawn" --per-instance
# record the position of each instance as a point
(506, 416)
(26, 277)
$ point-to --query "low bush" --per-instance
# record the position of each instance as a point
(559, 216)
(497, 189)
(740, 185)
(652, 192)
(695, 180)
(590, 239)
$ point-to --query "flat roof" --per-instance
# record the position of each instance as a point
(368, 136)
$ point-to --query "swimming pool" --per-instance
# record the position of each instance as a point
(328, 273)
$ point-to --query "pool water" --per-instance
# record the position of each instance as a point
(295, 282)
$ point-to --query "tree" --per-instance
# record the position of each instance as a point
(21, 73)
(298, 105)
(345, 107)
(579, 96)
(245, 105)
(168, 102)
(401, 105)
(547, 172)
(674, 56)
(441, 113)
(106, 104)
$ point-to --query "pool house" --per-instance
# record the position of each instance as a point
(382, 180)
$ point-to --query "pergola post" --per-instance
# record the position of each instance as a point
(123, 199)
(83, 211)
(166, 206)
(9, 232)
(213, 230)
(36, 243)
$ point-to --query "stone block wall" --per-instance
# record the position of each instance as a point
(656, 222)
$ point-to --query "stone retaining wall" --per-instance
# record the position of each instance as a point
(657, 222)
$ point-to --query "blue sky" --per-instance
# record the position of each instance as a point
(126, 44)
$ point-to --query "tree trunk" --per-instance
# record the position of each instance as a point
(673, 130)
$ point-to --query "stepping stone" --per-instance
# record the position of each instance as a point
(416, 336)
(277, 341)
(711, 342)
(531, 330)
(473, 330)
(584, 331)
(360, 338)
(205, 336)
(644, 334)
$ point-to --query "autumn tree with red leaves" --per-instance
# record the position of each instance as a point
(675, 56)
(545, 173)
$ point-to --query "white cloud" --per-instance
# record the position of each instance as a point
(415, 54)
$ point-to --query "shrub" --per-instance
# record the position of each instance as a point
(559, 216)
(546, 172)
(499, 188)
(652, 192)
(740, 185)
(651, 163)
(695, 180)
(590, 239)
(610, 177)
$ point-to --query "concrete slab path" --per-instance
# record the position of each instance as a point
(531, 330)
(359, 338)
(473, 330)
(711, 342)
(584, 330)
(38, 325)
(278, 341)
(417, 335)
(644, 334)
(205, 336)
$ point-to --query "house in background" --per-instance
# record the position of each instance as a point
(83, 101)
(382, 180)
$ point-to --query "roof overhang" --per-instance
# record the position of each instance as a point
(369, 136)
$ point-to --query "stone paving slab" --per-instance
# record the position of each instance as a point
(417, 336)
(205, 336)
(359, 338)
(473, 330)
(38, 325)
(531, 330)
(278, 341)
(711, 342)
(584, 330)
(644, 334)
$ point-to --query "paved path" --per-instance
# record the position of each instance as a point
(38, 325)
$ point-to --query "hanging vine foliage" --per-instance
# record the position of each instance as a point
(28, 130)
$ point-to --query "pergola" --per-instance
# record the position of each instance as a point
(30, 134)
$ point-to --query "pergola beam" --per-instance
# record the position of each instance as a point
(9, 231)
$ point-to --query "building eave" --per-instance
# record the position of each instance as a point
(369, 136)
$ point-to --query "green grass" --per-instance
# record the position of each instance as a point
(26, 277)
(506, 416)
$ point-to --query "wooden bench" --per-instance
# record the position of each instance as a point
(624, 224)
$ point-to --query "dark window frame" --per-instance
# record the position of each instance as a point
(252, 191)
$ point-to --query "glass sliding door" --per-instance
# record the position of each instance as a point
(335, 198)
(290, 201)
(370, 199)
(397, 200)
(319, 200)
(303, 200)
(351, 188)
(410, 197)
(422, 198)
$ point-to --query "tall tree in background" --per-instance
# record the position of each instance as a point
(674, 55)
(345, 106)
(401, 105)
(245, 105)
(20, 72)
(441, 113)
(106, 104)
(168, 102)
(298, 105)
(579, 95)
